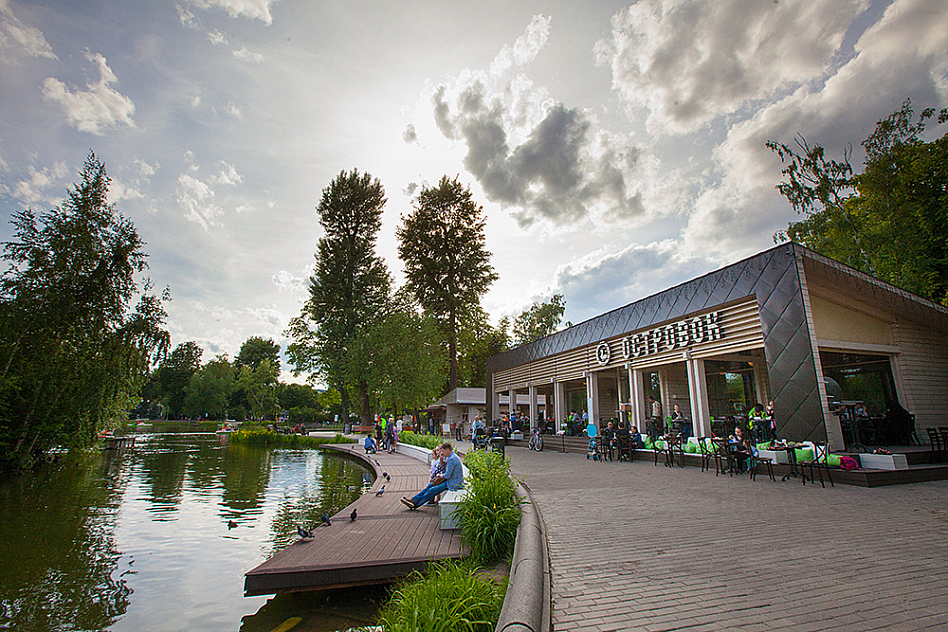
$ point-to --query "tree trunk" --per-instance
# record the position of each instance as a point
(365, 413)
(344, 397)
(453, 350)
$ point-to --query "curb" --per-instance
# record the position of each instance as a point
(527, 602)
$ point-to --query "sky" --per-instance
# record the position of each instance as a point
(617, 148)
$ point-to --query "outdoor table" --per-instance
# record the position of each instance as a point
(790, 449)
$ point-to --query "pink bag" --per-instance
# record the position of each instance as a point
(848, 463)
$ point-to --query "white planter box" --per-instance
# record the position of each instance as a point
(883, 461)
(446, 508)
(777, 456)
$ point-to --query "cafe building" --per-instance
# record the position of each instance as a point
(788, 325)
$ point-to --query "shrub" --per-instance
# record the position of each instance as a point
(450, 596)
(425, 441)
(489, 512)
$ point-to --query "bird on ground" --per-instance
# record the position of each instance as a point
(231, 525)
(381, 491)
(326, 520)
(386, 476)
(353, 516)
(303, 533)
(377, 463)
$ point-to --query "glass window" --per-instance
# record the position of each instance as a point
(862, 378)
(731, 388)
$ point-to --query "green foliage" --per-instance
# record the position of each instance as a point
(425, 441)
(539, 320)
(401, 357)
(348, 288)
(73, 354)
(447, 265)
(892, 219)
(255, 350)
(258, 386)
(449, 597)
(478, 341)
(261, 436)
(489, 513)
(209, 389)
(173, 376)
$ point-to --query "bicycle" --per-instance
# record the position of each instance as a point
(536, 440)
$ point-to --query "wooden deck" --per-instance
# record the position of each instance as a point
(385, 543)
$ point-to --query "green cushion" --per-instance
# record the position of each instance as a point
(763, 446)
(833, 460)
(691, 448)
(648, 443)
(660, 445)
(804, 454)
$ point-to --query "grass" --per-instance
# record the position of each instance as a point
(489, 513)
(262, 436)
(448, 597)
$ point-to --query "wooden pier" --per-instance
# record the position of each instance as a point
(118, 443)
(386, 541)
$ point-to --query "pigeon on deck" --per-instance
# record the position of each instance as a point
(381, 491)
(326, 520)
(231, 525)
(386, 476)
(353, 516)
(303, 533)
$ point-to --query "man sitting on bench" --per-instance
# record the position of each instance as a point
(451, 480)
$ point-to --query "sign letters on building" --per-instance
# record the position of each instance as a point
(684, 333)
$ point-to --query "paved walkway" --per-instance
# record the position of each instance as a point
(638, 547)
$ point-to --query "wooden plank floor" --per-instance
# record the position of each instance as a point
(385, 542)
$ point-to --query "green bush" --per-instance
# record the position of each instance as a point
(262, 436)
(450, 596)
(425, 441)
(489, 513)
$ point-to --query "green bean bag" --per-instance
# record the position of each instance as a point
(804, 454)
(832, 460)
(691, 448)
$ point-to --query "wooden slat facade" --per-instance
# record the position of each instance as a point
(740, 323)
(386, 541)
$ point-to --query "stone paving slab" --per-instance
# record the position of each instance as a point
(639, 547)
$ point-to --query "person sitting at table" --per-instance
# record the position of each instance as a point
(740, 447)
(637, 442)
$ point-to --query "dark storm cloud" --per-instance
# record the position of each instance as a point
(560, 173)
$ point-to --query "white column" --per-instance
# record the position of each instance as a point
(559, 404)
(639, 413)
(512, 398)
(533, 406)
(592, 397)
(698, 393)
(494, 401)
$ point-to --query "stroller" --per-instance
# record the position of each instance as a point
(480, 439)
(592, 452)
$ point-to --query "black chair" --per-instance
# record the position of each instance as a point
(665, 450)
(624, 447)
(706, 450)
(603, 448)
(934, 439)
(818, 465)
(724, 461)
(756, 461)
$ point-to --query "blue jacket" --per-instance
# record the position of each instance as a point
(453, 472)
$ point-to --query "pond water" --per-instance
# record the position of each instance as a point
(159, 537)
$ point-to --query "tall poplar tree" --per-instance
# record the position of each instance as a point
(348, 287)
(447, 265)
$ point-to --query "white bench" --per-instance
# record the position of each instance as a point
(447, 506)
(883, 461)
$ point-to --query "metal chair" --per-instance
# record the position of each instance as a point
(706, 450)
(755, 461)
(624, 447)
(818, 465)
(934, 439)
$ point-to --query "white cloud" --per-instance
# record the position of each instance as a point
(245, 54)
(234, 111)
(253, 9)
(99, 107)
(35, 189)
(690, 62)
(533, 155)
(289, 283)
(18, 39)
(197, 199)
(227, 175)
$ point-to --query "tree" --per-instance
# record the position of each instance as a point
(447, 265)
(173, 376)
(259, 387)
(478, 340)
(255, 349)
(73, 354)
(348, 287)
(539, 320)
(891, 220)
(209, 389)
(403, 358)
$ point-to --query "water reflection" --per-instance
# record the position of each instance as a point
(111, 540)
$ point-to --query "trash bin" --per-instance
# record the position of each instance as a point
(347, 428)
(499, 445)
